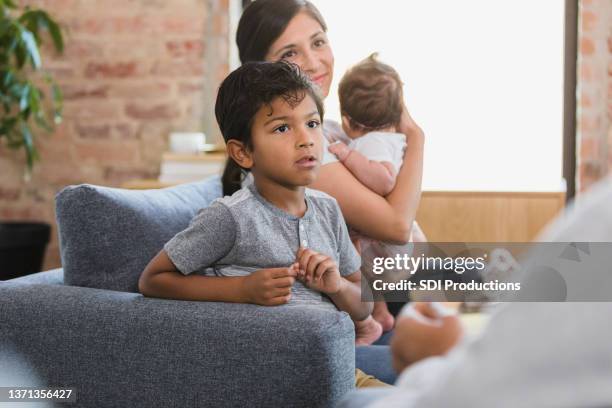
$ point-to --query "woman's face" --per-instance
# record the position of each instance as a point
(305, 43)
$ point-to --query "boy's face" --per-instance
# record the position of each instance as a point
(287, 143)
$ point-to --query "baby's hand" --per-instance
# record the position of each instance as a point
(318, 271)
(340, 150)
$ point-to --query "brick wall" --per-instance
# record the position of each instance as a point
(132, 71)
(594, 116)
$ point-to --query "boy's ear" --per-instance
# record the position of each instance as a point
(237, 151)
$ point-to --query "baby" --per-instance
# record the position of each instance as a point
(371, 107)
(371, 104)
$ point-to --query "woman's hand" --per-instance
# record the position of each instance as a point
(407, 125)
(269, 287)
(318, 271)
(426, 336)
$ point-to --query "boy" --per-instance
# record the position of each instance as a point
(251, 247)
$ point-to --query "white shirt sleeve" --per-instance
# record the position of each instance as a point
(381, 146)
(332, 132)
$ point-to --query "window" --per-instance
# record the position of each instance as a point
(483, 78)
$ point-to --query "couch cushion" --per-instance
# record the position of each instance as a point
(108, 235)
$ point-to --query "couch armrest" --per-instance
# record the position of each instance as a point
(50, 277)
(122, 349)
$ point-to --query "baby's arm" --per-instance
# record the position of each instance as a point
(377, 176)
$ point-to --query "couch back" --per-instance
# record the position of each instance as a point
(108, 235)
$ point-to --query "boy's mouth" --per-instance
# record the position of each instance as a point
(308, 161)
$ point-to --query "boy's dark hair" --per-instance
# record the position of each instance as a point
(244, 92)
(371, 95)
(263, 21)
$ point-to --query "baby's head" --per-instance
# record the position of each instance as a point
(270, 115)
(371, 98)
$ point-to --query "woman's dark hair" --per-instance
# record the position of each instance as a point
(244, 92)
(263, 21)
(371, 95)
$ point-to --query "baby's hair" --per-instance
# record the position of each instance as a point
(371, 95)
(244, 92)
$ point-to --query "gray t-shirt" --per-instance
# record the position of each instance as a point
(239, 234)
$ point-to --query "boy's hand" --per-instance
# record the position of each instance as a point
(269, 287)
(340, 150)
(318, 271)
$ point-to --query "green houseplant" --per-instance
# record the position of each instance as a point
(22, 79)
(25, 110)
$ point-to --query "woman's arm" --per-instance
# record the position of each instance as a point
(386, 219)
(264, 287)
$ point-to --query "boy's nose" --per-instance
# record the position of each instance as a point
(304, 143)
(304, 138)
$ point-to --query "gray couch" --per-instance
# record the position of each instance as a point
(85, 326)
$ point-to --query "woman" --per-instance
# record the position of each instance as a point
(294, 30)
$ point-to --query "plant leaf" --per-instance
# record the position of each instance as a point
(32, 47)
(24, 97)
(28, 143)
(54, 30)
(19, 50)
(7, 78)
(30, 20)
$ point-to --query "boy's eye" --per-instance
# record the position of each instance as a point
(313, 124)
(282, 129)
(319, 43)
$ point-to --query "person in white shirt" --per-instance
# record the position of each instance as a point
(530, 354)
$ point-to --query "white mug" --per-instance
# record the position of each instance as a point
(187, 142)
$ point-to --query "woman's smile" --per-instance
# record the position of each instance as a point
(319, 80)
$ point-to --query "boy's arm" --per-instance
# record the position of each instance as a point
(377, 176)
(348, 298)
(268, 287)
(320, 272)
